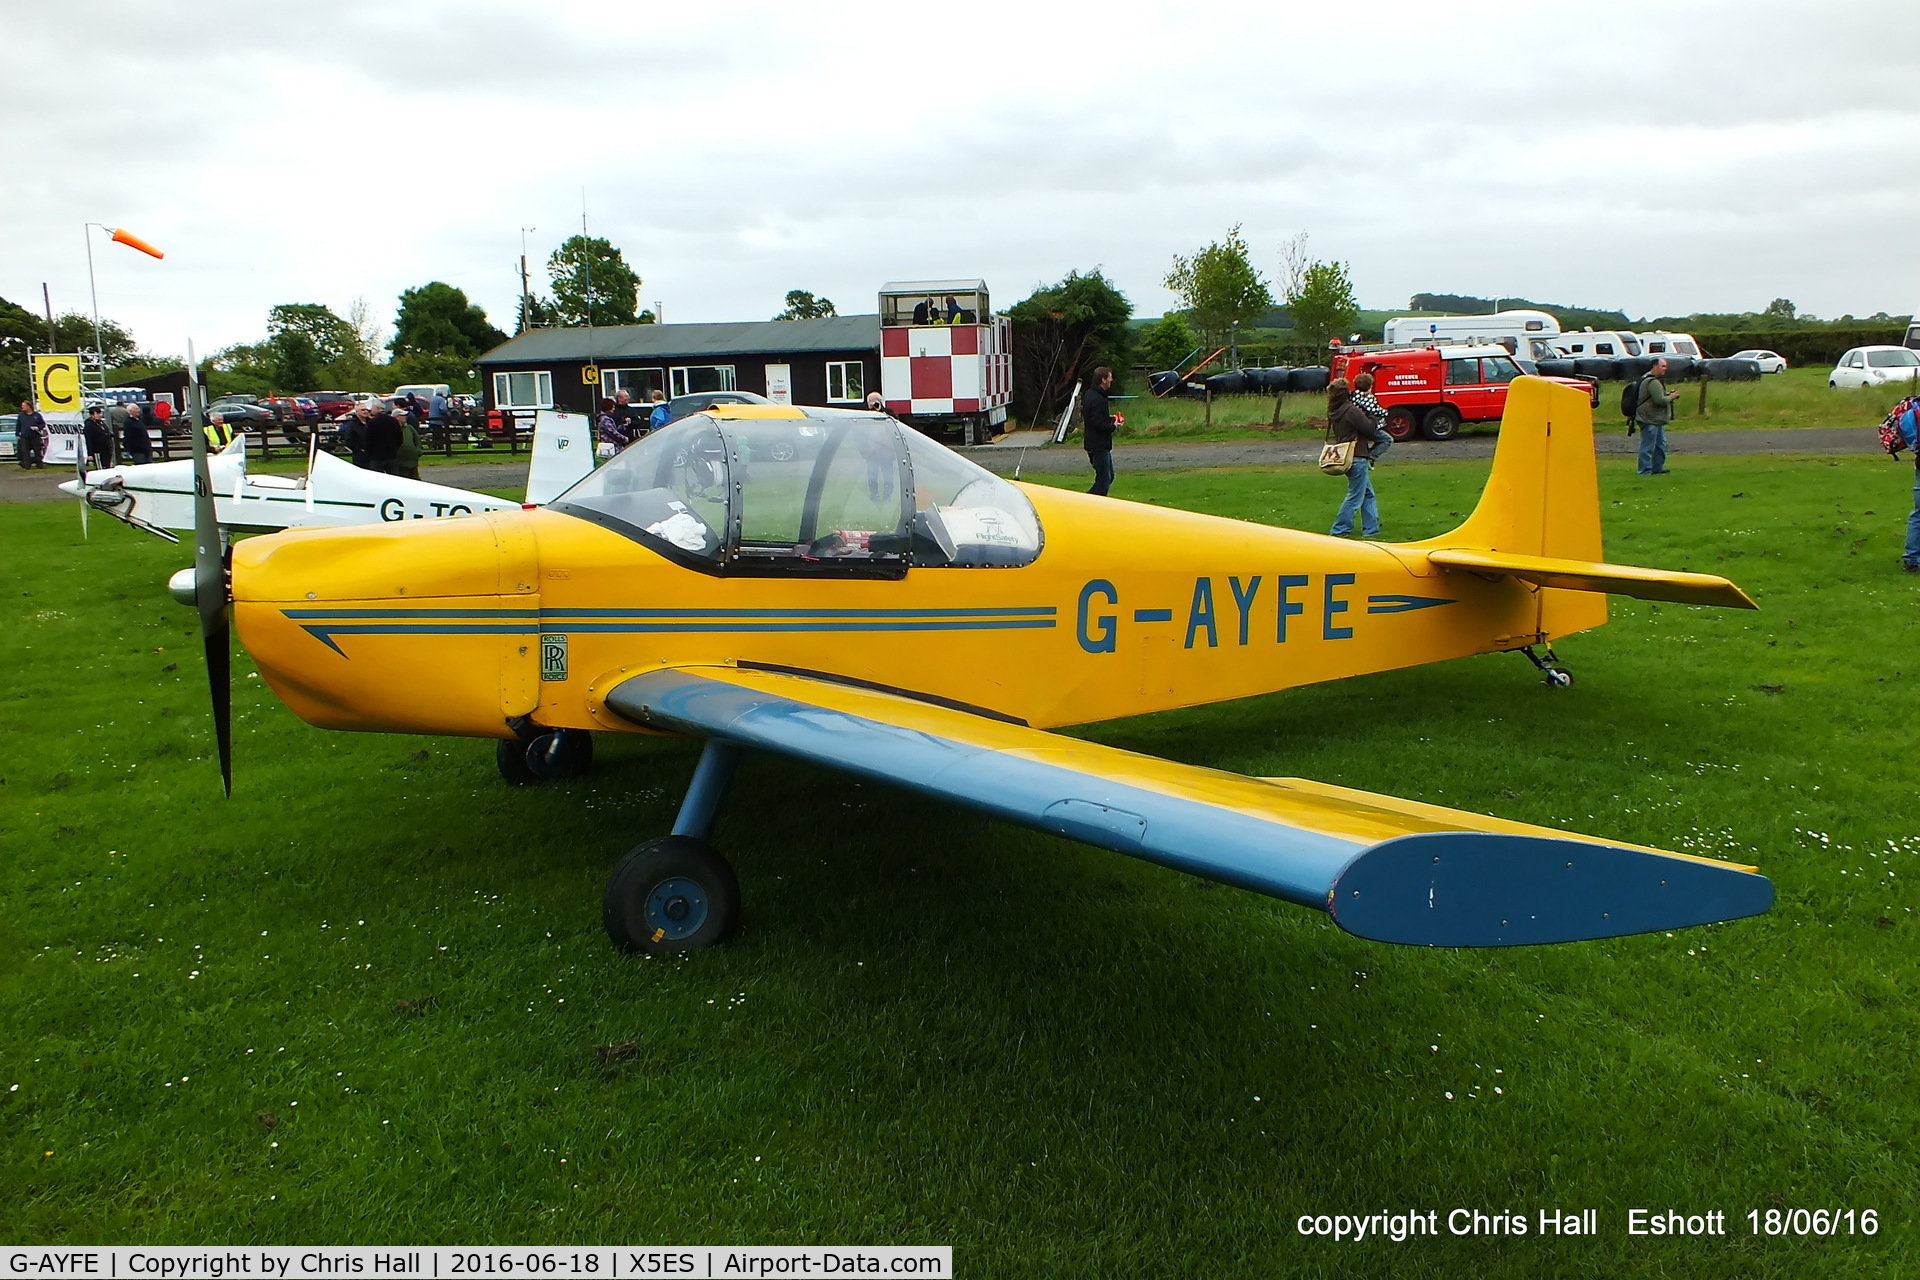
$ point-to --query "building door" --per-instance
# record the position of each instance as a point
(780, 383)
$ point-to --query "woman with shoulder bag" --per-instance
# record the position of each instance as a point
(1349, 426)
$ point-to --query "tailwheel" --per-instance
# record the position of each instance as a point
(1550, 666)
(671, 894)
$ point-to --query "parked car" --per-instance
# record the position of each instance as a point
(8, 445)
(241, 409)
(1874, 367)
(1769, 361)
(331, 403)
(680, 406)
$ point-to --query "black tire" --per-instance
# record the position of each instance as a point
(563, 753)
(1401, 423)
(671, 894)
(1441, 423)
(510, 757)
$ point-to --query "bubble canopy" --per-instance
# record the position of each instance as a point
(764, 491)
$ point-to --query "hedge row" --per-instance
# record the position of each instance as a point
(1801, 346)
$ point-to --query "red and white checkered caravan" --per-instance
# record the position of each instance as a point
(946, 361)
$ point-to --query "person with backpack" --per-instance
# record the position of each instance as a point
(1652, 409)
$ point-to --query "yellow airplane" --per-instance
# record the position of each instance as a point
(826, 585)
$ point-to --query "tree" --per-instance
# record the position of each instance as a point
(802, 305)
(329, 337)
(1780, 309)
(74, 332)
(589, 270)
(296, 364)
(20, 330)
(1061, 332)
(1319, 294)
(437, 319)
(1220, 285)
(1168, 342)
(538, 314)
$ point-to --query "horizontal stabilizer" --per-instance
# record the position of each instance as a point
(1388, 869)
(1592, 575)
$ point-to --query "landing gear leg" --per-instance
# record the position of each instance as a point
(676, 892)
(1558, 677)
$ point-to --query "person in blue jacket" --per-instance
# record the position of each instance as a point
(1910, 431)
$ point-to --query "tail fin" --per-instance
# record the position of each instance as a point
(1543, 498)
(1539, 520)
(562, 454)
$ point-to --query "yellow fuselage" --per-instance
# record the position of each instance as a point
(461, 626)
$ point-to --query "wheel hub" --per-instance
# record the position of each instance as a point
(676, 908)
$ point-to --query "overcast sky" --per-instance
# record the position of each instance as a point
(1659, 158)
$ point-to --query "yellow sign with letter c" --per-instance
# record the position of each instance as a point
(56, 383)
(590, 375)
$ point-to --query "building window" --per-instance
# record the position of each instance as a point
(845, 381)
(532, 389)
(693, 379)
(639, 384)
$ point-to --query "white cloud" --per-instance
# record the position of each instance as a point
(1640, 156)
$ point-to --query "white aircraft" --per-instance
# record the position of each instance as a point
(158, 496)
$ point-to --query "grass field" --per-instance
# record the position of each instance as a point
(368, 999)
(1796, 398)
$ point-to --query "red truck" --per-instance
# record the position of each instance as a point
(1435, 389)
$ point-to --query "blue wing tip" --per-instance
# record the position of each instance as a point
(1476, 889)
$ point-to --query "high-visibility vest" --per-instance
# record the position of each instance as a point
(219, 434)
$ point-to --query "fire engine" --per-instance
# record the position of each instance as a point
(1433, 389)
(946, 361)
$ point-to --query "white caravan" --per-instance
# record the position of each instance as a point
(1523, 333)
(1601, 342)
(158, 496)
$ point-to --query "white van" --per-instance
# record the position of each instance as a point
(424, 390)
(1603, 342)
(1522, 332)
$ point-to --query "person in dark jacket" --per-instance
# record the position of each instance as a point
(383, 438)
(1348, 421)
(30, 437)
(98, 439)
(136, 447)
(352, 433)
(1096, 412)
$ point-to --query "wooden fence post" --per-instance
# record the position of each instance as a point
(1209, 408)
(1276, 409)
(1704, 379)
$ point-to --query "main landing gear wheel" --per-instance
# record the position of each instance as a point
(671, 894)
(510, 757)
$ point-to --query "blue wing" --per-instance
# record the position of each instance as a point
(1387, 869)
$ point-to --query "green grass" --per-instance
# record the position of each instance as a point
(370, 987)
(1796, 398)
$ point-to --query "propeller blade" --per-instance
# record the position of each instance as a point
(80, 474)
(210, 590)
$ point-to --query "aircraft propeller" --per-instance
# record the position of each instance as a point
(210, 583)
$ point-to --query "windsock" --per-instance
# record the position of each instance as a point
(123, 236)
